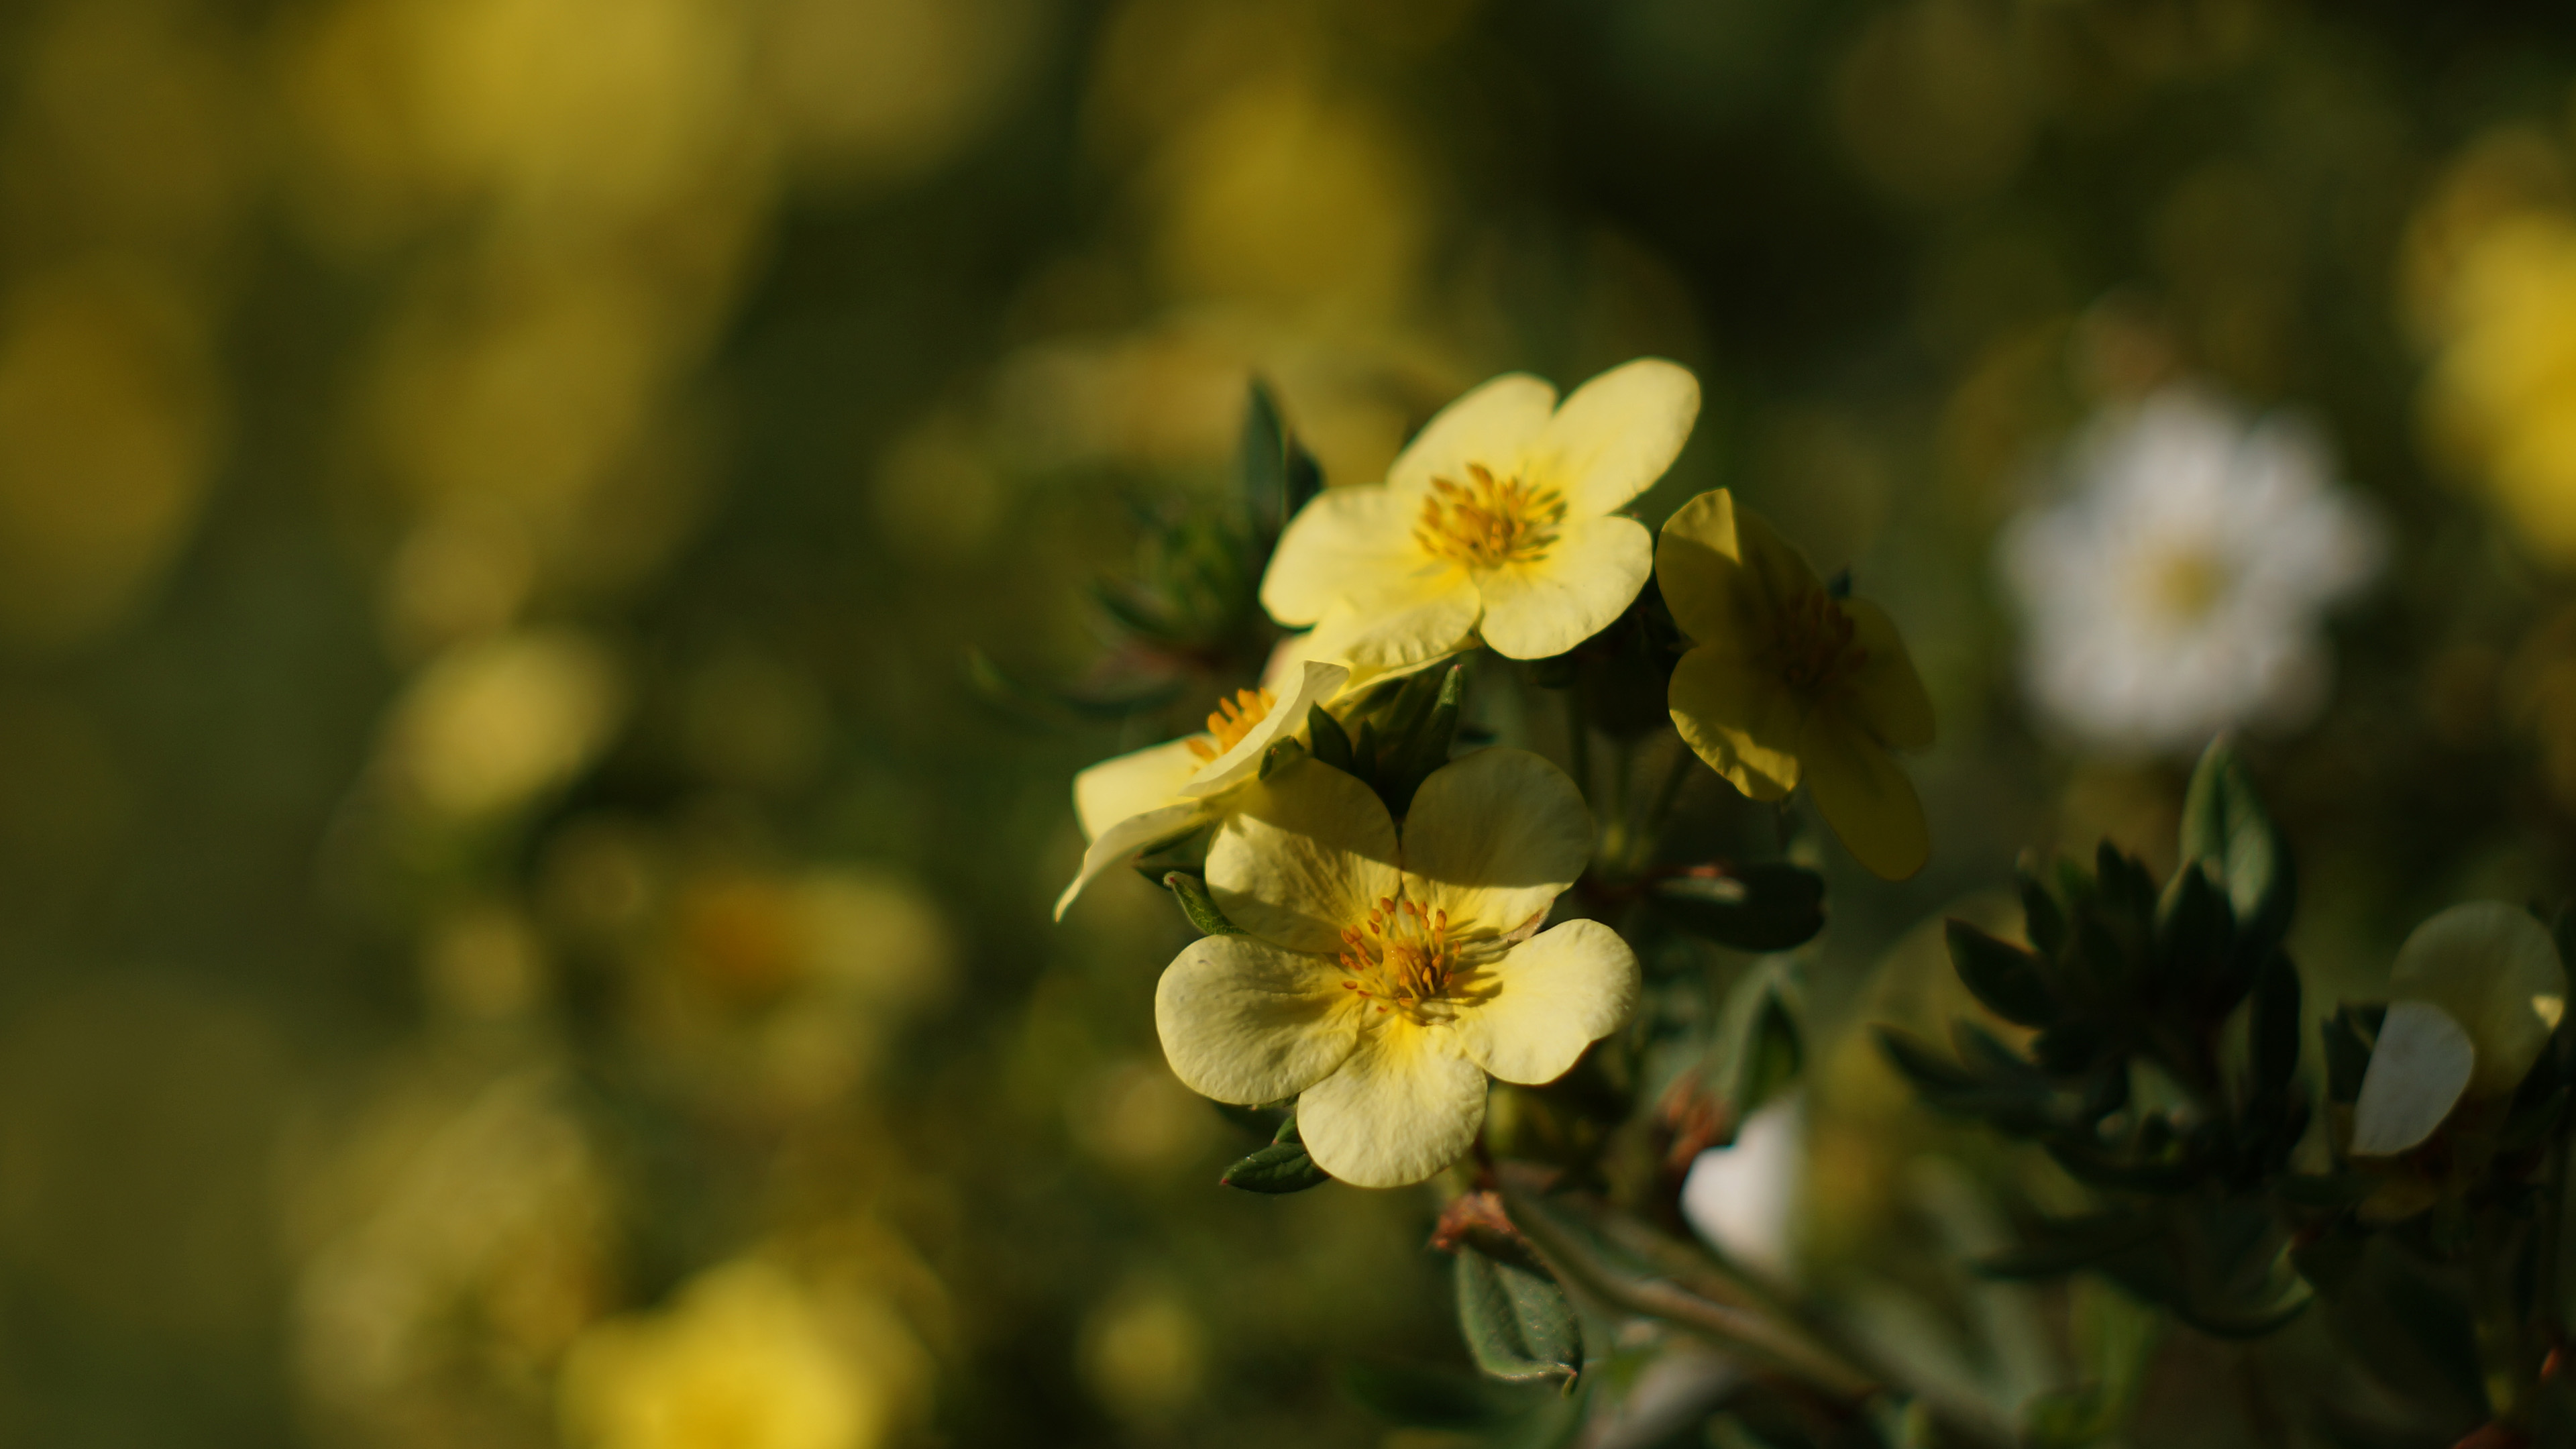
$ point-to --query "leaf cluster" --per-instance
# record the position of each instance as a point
(2127, 1075)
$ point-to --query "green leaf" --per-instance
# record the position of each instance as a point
(2276, 1025)
(1261, 460)
(1283, 1166)
(1135, 615)
(2002, 975)
(1429, 747)
(1192, 892)
(2194, 929)
(1329, 741)
(1280, 756)
(1770, 907)
(2043, 919)
(2225, 826)
(1517, 1323)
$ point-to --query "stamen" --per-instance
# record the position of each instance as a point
(1814, 650)
(1231, 720)
(1492, 523)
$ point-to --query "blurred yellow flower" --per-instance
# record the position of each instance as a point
(2477, 991)
(1496, 519)
(1160, 793)
(1787, 683)
(492, 724)
(746, 1359)
(1379, 979)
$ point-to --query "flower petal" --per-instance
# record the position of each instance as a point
(1553, 995)
(1493, 424)
(1390, 633)
(1888, 693)
(1739, 717)
(1133, 783)
(1493, 839)
(1246, 1022)
(1590, 575)
(1130, 837)
(1345, 543)
(1864, 795)
(1303, 855)
(1314, 684)
(1616, 435)
(1724, 573)
(1404, 1106)
(2493, 969)
(2418, 1069)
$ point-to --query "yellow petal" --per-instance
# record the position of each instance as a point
(1737, 715)
(1242, 1021)
(1492, 425)
(1394, 632)
(1590, 575)
(2421, 1064)
(1298, 650)
(1887, 693)
(1864, 795)
(1724, 573)
(1616, 435)
(1128, 838)
(1345, 543)
(1493, 839)
(1132, 784)
(2494, 970)
(1404, 1106)
(1553, 995)
(1301, 856)
(1314, 684)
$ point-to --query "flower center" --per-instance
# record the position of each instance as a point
(1231, 720)
(1815, 645)
(1486, 522)
(1401, 958)
(2183, 585)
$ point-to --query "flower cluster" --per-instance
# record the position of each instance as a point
(1391, 923)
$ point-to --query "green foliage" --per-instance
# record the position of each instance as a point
(1281, 1167)
(1517, 1322)
(1191, 891)
(1756, 907)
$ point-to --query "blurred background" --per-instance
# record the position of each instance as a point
(517, 924)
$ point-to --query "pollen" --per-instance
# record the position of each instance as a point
(1402, 959)
(1231, 720)
(1815, 648)
(1488, 522)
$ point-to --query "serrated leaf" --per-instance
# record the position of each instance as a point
(1200, 907)
(1768, 907)
(2006, 978)
(1517, 1323)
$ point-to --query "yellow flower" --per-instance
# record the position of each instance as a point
(746, 1359)
(2477, 991)
(1162, 792)
(1497, 518)
(1787, 683)
(1380, 978)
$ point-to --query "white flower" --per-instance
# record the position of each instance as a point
(2179, 588)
